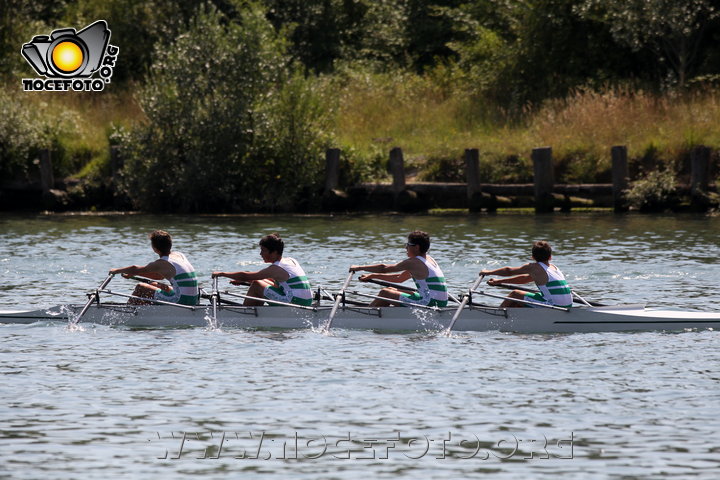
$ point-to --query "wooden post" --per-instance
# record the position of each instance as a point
(397, 168)
(472, 173)
(700, 165)
(700, 170)
(620, 177)
(332, 169)
(544, 179)
(47, 180)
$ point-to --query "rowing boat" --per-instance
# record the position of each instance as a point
(475, 317)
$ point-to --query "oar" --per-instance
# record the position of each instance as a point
(464, 302)
(338, 297)
(582, 300)
(578, 298)
(145, 280)
(94, 296)
(405, 288)
(214, 300)
(209, 296)
(393, 301)
(397, 286)
(327, 296)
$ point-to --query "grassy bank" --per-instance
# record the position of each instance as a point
(434, 122)
(434, 125)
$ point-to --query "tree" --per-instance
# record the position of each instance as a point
(522, 52)
(672, 29)
(228, 126)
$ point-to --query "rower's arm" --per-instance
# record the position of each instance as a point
(269, 272)
(152, 270)
(406, 266)
(377, 268)
(516, 280)
(239, 276)
(388, 277)
(509, 271)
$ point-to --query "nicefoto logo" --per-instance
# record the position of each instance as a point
(68, 59)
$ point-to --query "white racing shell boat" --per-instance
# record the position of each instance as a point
(345, 314)
(472, 318)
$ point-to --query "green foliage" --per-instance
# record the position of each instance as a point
(20, 20)
(26, 128)
(498, 168)
(656, 191)
(136, 26)
(582, 166)
(227, 127)
(672, 29)
(20, 137)
(556, 50)
(357, 166)
(444, 169)
(320, 31)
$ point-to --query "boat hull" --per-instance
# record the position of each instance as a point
(525, 320)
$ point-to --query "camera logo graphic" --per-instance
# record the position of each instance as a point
(68, 59)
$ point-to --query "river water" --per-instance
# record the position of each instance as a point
(112, 402)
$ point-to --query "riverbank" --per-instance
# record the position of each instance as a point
(659, 132)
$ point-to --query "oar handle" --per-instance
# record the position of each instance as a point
(397, 286)
(145, 280)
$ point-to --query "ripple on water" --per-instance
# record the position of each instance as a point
(101, 401)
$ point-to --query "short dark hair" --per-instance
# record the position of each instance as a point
(273, 243)
(162, 241)
(541, 251)
(420, 238)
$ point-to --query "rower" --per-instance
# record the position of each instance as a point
(421, 267)
(172, 266)
(283, 281)
(554, 289)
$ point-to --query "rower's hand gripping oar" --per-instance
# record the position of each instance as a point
(338, 297)
(464, 302)
(95, 295)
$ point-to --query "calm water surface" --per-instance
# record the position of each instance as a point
(103, 402)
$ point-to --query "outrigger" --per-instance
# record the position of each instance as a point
(470, 314)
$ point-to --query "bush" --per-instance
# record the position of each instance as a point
(228, 127)
(26, 127)
(21, 136)
(655, 192)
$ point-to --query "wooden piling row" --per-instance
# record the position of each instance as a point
(547, 196)
(546, 199)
